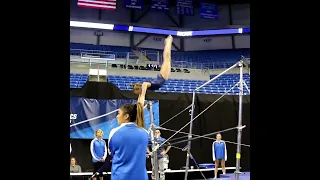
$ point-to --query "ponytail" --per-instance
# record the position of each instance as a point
(140, 115)
(135, 112)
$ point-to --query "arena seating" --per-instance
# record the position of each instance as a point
(219, 86)
(229, 57)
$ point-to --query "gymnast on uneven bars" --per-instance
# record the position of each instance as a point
(157, 83)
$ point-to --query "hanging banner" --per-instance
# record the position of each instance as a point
(88, 115)
(185, 7)
(208, 10)
(160, 5)
(134, 4)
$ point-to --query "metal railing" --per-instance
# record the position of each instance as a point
(155, 57)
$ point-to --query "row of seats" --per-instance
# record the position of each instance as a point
(229, 55)
(220, 86)
(148, 68)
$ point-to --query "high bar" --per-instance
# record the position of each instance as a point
(233, 66)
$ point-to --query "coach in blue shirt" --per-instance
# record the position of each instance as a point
(128, 143)
(161, 154)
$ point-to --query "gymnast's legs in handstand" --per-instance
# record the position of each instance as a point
(165, 70)
(166, 65)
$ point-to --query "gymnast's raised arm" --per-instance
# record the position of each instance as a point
(142, 95)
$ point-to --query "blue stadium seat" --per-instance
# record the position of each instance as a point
(79, 85)
(82, 81)
(220, 86)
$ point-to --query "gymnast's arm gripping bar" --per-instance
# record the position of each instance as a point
(235, 65)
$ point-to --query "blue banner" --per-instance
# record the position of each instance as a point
(100, 114)
(134, 4)
(185, 7)
(208, 11)
(160, 5)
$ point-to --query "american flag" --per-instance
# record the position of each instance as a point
(99, 4)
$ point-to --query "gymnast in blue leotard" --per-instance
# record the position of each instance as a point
(219, 154)
(158, 82)
(128, 144)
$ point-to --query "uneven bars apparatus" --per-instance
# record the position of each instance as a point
(240, 127)
(154, 157)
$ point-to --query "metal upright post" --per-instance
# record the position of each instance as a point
(190, 135)
(127, 59)
(98, 69)
(151, 113)
(158, 57)
(238, 155)
(154, 153)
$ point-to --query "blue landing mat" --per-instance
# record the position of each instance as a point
(230, 176)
